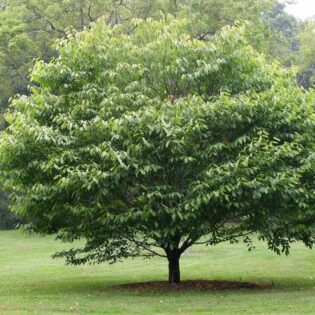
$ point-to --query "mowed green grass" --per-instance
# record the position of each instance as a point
(33, 283)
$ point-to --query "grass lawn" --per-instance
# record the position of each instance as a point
(33, 283)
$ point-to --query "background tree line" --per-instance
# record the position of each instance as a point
(29, 29)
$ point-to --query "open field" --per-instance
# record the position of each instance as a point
(33, 283)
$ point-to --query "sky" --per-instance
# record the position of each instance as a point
(303, 9)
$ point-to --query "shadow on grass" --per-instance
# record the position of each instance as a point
(92, 286)
(200, 285)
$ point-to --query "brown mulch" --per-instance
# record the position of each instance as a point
(202, 285)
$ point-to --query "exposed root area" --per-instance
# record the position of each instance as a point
(202, 285)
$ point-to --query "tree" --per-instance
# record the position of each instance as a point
(7, 218)
(306, 55)
(283, 40)
(145, 144)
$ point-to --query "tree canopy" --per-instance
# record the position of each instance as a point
(29, 29)
(155, 140)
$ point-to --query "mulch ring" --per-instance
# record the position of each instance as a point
(202, 285)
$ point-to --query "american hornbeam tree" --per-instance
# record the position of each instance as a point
(146, 143)
(28, 29)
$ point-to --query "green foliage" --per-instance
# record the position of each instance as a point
(306, 56)
(28, 28)
(154, 140)
(283, 39)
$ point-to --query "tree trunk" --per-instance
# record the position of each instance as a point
(173, 268)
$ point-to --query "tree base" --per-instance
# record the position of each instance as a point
(200, 285)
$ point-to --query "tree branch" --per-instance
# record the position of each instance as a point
(229, 238)
(146, 246)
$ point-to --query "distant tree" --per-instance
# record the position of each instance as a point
(306, 56)
(7, 218)
(283, 42)
(155, 140)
